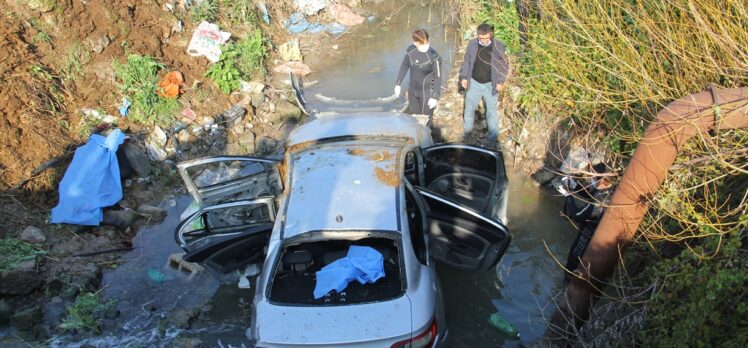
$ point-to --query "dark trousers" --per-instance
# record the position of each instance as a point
(418, 105)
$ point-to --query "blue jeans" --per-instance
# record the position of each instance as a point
(475, 92)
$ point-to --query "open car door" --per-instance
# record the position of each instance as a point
(461, 237)
(220, 179)
(227, 236)
(471, 176)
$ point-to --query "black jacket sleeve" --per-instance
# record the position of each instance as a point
(436, 81)
(403, 69)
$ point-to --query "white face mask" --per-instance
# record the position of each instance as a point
(422, 48)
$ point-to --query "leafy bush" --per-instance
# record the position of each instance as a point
(138, 80)
(82, 314)
(240, 60)
(14, 251)
(504, 19)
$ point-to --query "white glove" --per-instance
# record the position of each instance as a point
(397, 91)
(432, 103)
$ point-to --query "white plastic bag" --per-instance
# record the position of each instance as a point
(207, 40)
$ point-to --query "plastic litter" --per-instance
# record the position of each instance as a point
(336, 28)
(243, 283)
(296, 23)
(91, 182)
(310, 7)
(296, 68)
(316, 28)
(170, 84)
(290, 51)
(264, 10)
(189, 114)
(207, 40)
(93, 113)
(157, 276)
(344, 15)
(504, 326)
(364, 264)
(124, 108)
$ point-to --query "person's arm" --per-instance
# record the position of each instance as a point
(436, 82)
(502, 64)
(403, 69)
(464, 69)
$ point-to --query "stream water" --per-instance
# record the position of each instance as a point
(152, 296)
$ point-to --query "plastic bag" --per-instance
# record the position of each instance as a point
(206, 41)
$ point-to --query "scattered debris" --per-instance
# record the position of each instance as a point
(169, 86)
(33, 235)
(177, 260)
(96, 114)
(207, 40)
(296, 68)
(264, 11)
(189, 114)
(344, 15)
(504, 326)
(310, 7)
(290, 51)
(157, 276)
(124, 108)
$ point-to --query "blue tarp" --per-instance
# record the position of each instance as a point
(297, 23)
(362, 263)
(91, 182)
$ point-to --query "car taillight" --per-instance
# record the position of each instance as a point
(424, 339)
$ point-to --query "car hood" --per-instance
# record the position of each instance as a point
(371, 324)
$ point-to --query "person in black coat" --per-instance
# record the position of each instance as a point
(424, 88)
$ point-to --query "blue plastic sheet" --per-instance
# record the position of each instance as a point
(296, 23)
(91, 182)
(336, 28)
(362, 263)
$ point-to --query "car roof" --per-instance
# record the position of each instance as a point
(385, 124)
(343, 186)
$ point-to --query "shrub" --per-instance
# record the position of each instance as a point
(240, 60)
(138, 79)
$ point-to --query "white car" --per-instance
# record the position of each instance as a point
(373, 180)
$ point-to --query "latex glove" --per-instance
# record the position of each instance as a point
(397, 91)
(432, 103)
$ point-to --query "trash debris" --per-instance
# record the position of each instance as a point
(124, 108)
(310, 7)
(206, 41)
(371, 18)
(297, 68)
(290, 51)
(177, 259)
(157, 276)
(296, 23)
(169, 86)
(316, 28)
(93, 113)
(159, 136)
(233, 115)
(189, 114)
(91, 182)
(344, 15)
(503, 325)
(364, 264)
(243, 283)
(264, 11)
(336, 28)
(252, 270)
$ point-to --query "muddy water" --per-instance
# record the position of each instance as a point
(155, 301)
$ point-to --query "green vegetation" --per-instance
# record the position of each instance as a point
(206, 11)
(240, 60)
(83, 313)
(71, 65)
(138, 80)
(14, 251)
(238, 12)
(605, 68)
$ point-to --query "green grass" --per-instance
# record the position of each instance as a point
(206, 11)
(82, 314)
(240, 60)
(138, 80)
(71, 65)
(14, 251)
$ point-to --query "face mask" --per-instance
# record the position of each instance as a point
(484, 45)
(422, 48)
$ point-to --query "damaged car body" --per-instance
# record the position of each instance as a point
(372, 179)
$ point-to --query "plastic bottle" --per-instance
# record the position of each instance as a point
(503, 325)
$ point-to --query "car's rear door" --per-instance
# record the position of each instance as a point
(469, 175)
(462, 237)
(227, 236)
(220, 179)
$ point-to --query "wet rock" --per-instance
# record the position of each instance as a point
(119, 218)
(138, 160)
(98, 43)
(32, 234)
(183, 318)
(188, 342)
(286, 112)
(5, 312)
(247, 142)
(252, 87)
(257, 99)
(26, 319)
(150, 307)
(543, 176)
(154, 214)
(22, 280)
(53, 312)
(155, 152)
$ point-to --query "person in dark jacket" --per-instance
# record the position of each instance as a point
(483, 73)
(424, 88)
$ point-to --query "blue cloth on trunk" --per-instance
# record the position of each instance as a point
(364, 264)
(91, 182)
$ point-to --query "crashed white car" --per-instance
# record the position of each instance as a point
(374, 180)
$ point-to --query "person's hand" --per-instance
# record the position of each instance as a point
(499, 87)
(464, 83)
(397, 91)
(432, 103)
